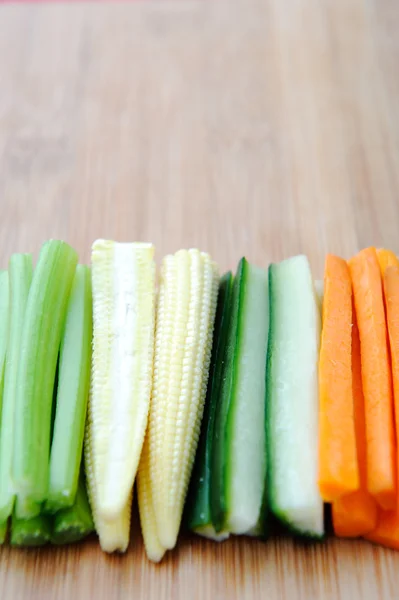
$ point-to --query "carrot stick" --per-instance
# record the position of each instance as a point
(391, 292)
(386, 258)
(376, 377)
(387, 530)
(356, 514)
(338, 468)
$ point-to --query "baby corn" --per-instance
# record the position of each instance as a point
(183, 339)
(123, 279)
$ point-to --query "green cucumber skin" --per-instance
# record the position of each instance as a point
(44, 319)
(30, 533)
(20, 277)
(283, 516)
(72, 394)
(75, 523)
(219, 502)
(262, 527)
(198, 504)
(290, 528)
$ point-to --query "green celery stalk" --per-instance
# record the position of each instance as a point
(20, 274)
(41, 337)
(72, 394)
(4, 324)
(30, 532)
(74, 523)
(3, 532)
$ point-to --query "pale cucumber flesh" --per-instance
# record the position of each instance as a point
(292, 397)
(246, 465)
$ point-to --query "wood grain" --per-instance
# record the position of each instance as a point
(263, 128)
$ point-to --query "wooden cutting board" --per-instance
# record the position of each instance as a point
(265, 128)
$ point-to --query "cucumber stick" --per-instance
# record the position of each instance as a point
(198, 504)
(74, 523)
(238, 476)
(20, 274)
(40, 342)
(30, 532)
(292, 397)
(72, 394)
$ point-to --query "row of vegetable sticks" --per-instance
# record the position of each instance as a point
(150, 360)
(359, 395)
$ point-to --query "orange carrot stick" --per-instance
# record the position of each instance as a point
(386, 258)
(356, 514)
(338, 469)
(376, 378)
(391, 292)
(387, 530)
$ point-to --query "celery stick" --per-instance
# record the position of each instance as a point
(3, 531)
(41, 336)
(74, 523)
(4, 323)
(30, 532)
(20, 274)
(72, 394)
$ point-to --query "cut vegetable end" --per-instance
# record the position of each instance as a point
(75, 523)
(31, 532)
(114, 534)
(386, 499)
(70, 533)
(44, 318)
(20, 275)
(208, 531)
(72, 394)
(386, 258)
(386, 532)
(333, 490)
(307, 521)
(354, 515)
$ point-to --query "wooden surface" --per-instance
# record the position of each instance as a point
(266, 128)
